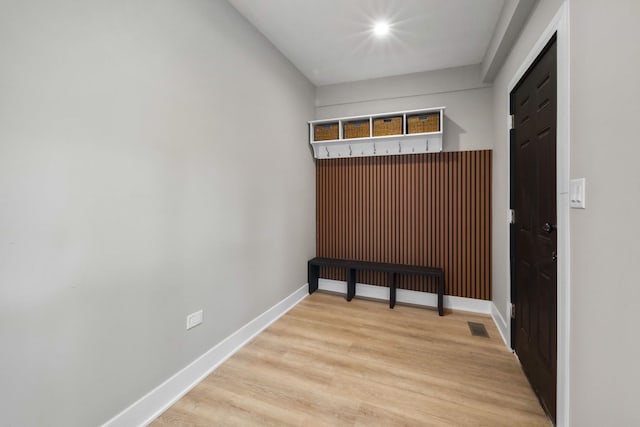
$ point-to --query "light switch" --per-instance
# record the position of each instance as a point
(577, 193)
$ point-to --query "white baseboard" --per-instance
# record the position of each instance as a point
(158, 400)
(502, 325)
(410, 297)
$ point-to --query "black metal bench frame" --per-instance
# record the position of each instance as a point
(314, 264)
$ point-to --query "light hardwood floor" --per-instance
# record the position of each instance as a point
(336, 363)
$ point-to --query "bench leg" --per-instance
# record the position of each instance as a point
(392, 290)
(441, 295)
(313, 274)
(351, 284)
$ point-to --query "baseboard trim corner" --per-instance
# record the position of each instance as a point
(153, 404)
(501, 324)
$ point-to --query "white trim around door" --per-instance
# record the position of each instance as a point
(559, 25)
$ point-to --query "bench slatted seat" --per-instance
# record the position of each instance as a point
(353, 266)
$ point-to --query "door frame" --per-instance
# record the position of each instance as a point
(559, 25)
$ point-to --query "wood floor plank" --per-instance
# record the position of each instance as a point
(329, 362)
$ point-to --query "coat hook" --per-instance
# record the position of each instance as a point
(350, 152)
(399, 147)
(328, 154)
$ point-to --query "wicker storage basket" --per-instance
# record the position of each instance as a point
(422, 123)
(356, 129)
(387, 126)
(325, 132)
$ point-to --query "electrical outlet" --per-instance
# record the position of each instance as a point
(194, 319)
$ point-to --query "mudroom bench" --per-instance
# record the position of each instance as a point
(352, 267)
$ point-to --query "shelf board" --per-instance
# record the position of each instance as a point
(374, 138)
(328, 141)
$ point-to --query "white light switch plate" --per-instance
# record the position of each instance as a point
(577, 193)
(194, 319)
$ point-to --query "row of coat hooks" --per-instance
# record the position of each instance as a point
(413, 150)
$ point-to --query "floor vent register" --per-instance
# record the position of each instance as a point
(478, 329)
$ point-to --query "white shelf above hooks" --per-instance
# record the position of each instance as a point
(330, 138)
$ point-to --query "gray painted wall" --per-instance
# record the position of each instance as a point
(153, 162)
(468, 117)
(512, 18)
(605, 237)
(539, 19)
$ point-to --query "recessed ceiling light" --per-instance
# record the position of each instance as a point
(381, 28)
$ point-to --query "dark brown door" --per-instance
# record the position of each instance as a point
(534, 236)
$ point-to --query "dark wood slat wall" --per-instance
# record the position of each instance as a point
(421, 209)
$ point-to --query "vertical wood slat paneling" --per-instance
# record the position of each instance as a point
(421, 209)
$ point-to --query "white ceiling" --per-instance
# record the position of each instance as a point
(331, 41)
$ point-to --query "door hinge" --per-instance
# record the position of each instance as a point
(513, 311)
(512, 121)
(512, 216)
